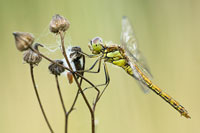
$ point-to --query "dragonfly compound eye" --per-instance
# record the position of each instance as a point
(97, 40)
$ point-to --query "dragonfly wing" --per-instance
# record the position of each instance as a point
(144, 88)
(129, 43)
(139, 77)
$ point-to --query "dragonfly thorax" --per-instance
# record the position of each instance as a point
(114, 55)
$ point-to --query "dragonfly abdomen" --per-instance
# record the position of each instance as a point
(169, 99)
(128, 69)
(164, 95)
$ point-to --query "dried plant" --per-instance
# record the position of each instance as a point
(71, 63)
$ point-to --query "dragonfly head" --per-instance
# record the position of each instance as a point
(96, 45)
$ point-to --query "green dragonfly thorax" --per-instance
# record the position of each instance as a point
(96, 45)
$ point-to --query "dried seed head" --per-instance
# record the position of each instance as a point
(55, 69)
(58, 23)
(23, 40)
(74, 53)
(32, 57)
(76, 58)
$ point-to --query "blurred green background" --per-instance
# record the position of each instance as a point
(168, 34)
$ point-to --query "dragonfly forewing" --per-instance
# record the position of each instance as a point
(129, 43)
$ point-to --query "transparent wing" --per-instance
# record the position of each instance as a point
(129, 43)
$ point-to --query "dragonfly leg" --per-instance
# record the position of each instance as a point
(107, 78)
(87, 55)
(95, 63)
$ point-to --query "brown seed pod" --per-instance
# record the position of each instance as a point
(58, 23)
(55, 69)
(23, 40)
(31, 57)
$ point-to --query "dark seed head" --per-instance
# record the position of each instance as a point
(31, 57)
(55, 69)
(74, 53)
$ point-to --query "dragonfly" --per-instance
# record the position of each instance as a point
(128, 57)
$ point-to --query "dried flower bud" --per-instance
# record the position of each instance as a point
(32, 57)
(58, 23)
(23, 40)
(55, 69)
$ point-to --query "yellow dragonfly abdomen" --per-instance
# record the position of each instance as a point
(116, 56)
(163, 95)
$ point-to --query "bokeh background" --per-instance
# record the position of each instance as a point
(168, 35)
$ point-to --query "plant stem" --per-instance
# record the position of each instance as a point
(62, 102)
(60, 94)
(79, 87)
(38, 98)
(50, 60)
(76, 97)
(66, 113)
(76, 80)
